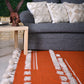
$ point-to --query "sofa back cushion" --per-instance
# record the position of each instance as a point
(73, 1)
(58, 12)
(39, 11)
(54, 1)
(56, 28)
(75, 12)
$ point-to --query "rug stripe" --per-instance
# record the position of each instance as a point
(33, 60)
(27, 78)
(36, 61)
(72, 80)
(54, 60)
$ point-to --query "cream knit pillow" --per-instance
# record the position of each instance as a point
(75, 12)
(58, 12)
(39, 11)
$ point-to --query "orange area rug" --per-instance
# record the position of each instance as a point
(50, 67)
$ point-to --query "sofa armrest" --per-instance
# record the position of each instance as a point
(26, 17)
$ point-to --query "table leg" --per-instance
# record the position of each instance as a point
(25, 42)
(16, 39)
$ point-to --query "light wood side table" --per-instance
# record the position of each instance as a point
(16, 29)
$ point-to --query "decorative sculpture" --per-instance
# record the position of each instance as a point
(14, 17)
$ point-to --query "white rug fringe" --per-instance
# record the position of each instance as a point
(13, 61)
(8, 76)
(5, 81)
(11, 68)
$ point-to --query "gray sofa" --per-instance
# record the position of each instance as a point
(57, 36)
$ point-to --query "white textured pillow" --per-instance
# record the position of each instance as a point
(75, 12)
(58, 12)
(39, 11)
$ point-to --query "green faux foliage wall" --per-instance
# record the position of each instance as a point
(4, 10)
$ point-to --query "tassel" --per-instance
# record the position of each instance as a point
(15, 51)
(11, 68)
(8, 80)
(13, 72)
(11, 80)
(16, 54)
(13, 61)
(6, 75)
(5, 81)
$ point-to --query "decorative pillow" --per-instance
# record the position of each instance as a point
(58, 12)
(75, 12)
(39, 11)
(73, 1)
(54, 1)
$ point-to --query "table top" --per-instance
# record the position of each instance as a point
(12, 28)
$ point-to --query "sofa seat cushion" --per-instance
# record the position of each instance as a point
(56, 41)
(56, 27)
